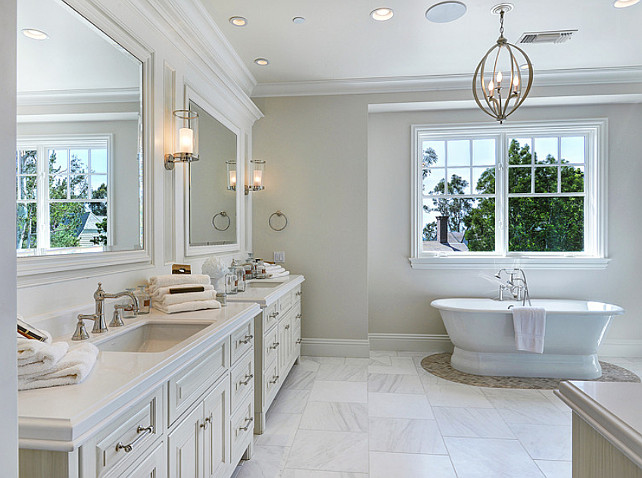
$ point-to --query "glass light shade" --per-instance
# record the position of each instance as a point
(257, 167)
(186, 136)
(231, 175)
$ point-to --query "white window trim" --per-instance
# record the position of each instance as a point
(596, 230)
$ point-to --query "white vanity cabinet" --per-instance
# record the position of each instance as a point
(278, 339)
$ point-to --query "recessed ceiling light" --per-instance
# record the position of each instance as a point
(445, 12)
(34, 34)
(261, 61)
(382, 14)
(298, 20)
(624, 3)
(238, 21)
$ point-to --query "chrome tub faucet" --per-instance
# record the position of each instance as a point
(516, 285)
(99, 314)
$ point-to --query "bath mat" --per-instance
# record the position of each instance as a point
(439, 365)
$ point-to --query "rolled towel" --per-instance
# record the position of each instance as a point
(279, 274)
(33, 351)
(178, 279)
(188, 306)
(171, 299)
(46, 359)
(158, 292)
(73, 368)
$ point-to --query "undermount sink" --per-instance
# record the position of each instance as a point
(151, 337)
(263, 285)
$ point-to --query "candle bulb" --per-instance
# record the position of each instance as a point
(186, 140)
(500, 77)
(258, 178)
(233, 178)
(491, 88)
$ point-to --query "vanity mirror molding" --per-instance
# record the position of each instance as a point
(84, 143)
(214, 214)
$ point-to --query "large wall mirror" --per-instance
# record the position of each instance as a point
(213, 208)
(79, 155)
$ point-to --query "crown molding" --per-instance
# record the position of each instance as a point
(407, 84)
(77, 97)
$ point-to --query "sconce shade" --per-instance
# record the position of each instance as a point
(231, 175)
(257, 167)
(185, 138)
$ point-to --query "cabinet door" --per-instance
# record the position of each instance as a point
(186, 447)
(153, 466)
(216, 455)
(285, 332)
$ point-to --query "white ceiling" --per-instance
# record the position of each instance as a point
(339, 40)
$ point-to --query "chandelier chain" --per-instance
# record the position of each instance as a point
(501, 23)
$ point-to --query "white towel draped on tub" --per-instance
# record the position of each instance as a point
(72, 368)
(530, 328)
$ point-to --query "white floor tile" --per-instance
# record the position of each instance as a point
(398, 365)
(456, 395)
(343, 372)
(545, 442)
(400, 465)
(335, 416)
(357, 361)
(555, 469)
(490, 457)
(280, 429)
(306, 364)
(266, 462)
(331, 391)
(403, 435)
(290, 401)
(394, 383)
(329, 451)
(320, 360)
(299, 379)
(399, 405)
(471, 422)
(290, 473)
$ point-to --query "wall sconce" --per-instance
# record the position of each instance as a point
(257, 166)
(185, 139)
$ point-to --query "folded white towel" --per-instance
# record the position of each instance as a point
(530, 328)
(46, 359)
(33, 351)
(178, 279)
(279, 274)
(188, 306)
(273, 266)
(158, 292)
(274, 270)
(171, 299)
(73, 368)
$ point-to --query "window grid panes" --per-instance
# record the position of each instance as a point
(506, 193)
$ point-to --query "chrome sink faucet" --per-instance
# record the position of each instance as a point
(99, 314)
(516, 285)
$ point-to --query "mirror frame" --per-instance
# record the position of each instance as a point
(36, 270)
(192, 95)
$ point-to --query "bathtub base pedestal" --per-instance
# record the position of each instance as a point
(525, 364)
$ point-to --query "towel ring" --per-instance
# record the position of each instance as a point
(222, 214)
(279, 214)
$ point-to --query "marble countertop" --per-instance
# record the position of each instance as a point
(612, 408)
(62, 418)
(264, 296)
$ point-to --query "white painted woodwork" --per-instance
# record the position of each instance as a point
(154, 465)
(216, 448)
(186, 448)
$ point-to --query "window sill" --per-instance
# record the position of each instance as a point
(549, 263)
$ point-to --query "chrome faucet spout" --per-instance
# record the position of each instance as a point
(516, 285)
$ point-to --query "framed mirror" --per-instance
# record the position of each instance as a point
(213, 207)
(80, 139)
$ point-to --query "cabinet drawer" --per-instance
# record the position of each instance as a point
(242, 379)
(192, 380)
(242, 428)
(153, 465)
(270, 383)
(270, 347)
(271, 315)
(130, 435)
(242, 340)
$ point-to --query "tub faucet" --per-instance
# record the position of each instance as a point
(516, 285)
(99, 314)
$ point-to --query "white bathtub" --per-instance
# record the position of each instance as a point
(484, 338)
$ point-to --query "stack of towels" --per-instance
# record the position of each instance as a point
(182, 293)
(273, 271)
(46, 364)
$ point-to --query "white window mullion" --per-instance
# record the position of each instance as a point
(501, 190)
(42, 213)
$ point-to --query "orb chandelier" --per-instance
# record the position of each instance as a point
(501, 75)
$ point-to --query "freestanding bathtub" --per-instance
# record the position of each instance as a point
(484, 338)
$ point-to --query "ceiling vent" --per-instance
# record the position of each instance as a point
(547, 37)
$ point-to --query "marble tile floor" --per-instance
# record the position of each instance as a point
(386, 417)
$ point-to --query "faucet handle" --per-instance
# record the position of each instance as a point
(81, 330)
(117, 319)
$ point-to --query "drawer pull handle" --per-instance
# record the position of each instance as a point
(298, 341)
(206, 422)
(247, 379)
(144, 431)
(287, 327)
(272, 315)
(275, 379)
(246, 339)
(298, 316)
(299, 293)
(275, 345)
(248, 421)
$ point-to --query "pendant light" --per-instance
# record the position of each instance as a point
(499, 80)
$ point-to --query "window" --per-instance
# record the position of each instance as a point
(62, 195)
(528, 192)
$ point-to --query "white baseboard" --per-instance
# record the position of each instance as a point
(621, 348)
(429, 343)
(335, 347)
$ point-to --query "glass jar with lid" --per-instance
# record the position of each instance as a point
(144, 299)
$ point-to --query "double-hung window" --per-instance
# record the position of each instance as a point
(62, 194)
(526, 192)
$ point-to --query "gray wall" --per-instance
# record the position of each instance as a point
(8, 380)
